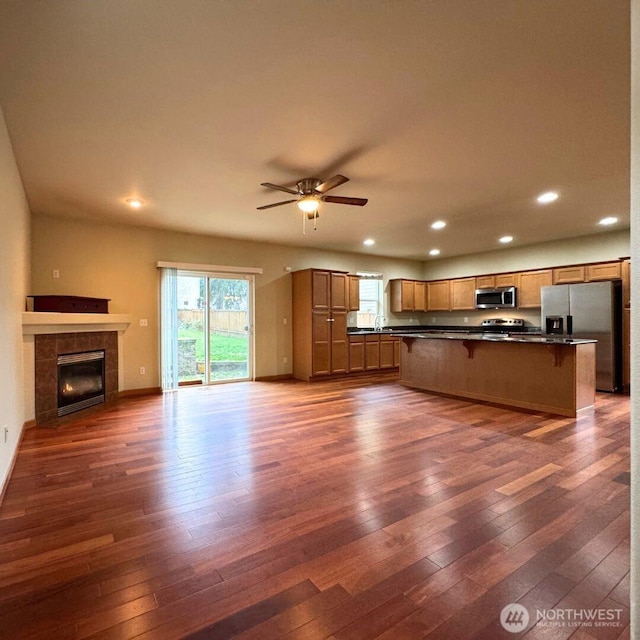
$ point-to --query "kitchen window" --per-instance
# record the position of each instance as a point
(371, 299)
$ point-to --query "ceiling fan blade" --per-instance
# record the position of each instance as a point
(277, 186)
(276, 204)
(359, 202)
(331, 183)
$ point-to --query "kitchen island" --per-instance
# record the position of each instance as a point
(526, 372)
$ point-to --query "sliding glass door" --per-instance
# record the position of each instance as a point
(214, 328)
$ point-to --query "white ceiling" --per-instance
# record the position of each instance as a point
(462, 110)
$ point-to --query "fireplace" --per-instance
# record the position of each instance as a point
(80, 381)
(74, 371)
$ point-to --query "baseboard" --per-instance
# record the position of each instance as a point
(282, 376)
(5, 482)
(147, 391)
(29, 424)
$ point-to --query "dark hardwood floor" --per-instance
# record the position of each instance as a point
(346, 510)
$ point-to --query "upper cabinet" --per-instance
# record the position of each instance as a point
(459, 294)
(407, 295)
(401, 295)
(506, 280)
(485, 282)
(354, 292)
(568, 275)
(463, 294)
(438, 295)
(603, 271)
(419, 296)
(529, 296)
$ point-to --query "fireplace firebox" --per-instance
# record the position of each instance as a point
(81, 382)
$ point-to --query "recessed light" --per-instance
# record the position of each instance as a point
(438, 224)
(546, 198)
(608, 220)
(506, 239)
(434, 252)
(135, 203)
(368, 242)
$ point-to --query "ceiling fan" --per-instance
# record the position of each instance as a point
(310, 192)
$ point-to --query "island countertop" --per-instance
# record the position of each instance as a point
(446, 335)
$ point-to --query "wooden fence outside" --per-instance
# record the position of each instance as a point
(226, 322)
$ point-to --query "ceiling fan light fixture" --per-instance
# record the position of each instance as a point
(308, 204)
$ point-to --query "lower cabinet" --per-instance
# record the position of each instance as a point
(356, 354)
(373, 352)
(387, 351)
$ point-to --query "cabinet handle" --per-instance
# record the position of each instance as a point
(331, 320)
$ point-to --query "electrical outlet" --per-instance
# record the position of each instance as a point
(285, 360)
(466, 320)
(143, 371)
(56, 273)
(144, 322)
(285, 321)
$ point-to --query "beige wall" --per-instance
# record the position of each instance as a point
(596, 248)
(119, 263)
(14, 270)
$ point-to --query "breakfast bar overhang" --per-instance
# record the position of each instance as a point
(535, 373)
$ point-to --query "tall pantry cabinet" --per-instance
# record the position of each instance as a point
(320, 306)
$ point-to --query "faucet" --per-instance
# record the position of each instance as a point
(377, 326)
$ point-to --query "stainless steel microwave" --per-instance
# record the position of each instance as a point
(498, 298)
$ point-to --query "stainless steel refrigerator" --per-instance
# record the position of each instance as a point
(591, 310)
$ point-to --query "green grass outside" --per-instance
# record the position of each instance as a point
(223, 348)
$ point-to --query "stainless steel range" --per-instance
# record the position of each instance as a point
(502, 326)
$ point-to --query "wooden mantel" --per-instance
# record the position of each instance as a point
(44, 322)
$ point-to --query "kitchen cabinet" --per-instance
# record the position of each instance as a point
(387, 351)
(419, 295)
(485, 282)
(507, 280)
(407, 295)
(529, 287)
(603, 271)
(401, 295)
(569, 275)
(354, 292)
(463, 294)
(320, 346)
(438, 295)
(356, 353)
(371, 352)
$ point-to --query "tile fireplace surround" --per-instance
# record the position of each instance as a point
(47, 335)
